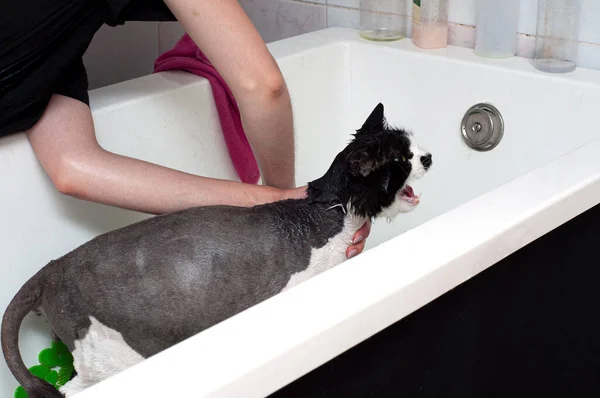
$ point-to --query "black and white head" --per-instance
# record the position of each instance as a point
(371, 175)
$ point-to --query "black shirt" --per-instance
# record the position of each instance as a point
(42, 43)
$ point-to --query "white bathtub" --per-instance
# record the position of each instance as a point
(476, 207)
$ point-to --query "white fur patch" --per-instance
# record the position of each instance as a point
(330, 255)
(101, 354)
(418, 170)
(398, 206)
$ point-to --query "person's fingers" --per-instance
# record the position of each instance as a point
(294, 193)
(298, 193)
(363, 233)
(355, 249)
(359, 240)
(360, 237)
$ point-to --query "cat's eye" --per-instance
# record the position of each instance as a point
(398, 159)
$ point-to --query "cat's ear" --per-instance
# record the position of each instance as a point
(375, 123)
(366, 156)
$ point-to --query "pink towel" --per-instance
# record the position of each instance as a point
(187, 56)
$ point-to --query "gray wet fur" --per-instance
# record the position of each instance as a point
(167, 278)
(127, 279)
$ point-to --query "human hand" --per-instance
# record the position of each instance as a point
(293, 193)
(359, 240)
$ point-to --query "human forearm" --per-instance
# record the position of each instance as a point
(120, 181)
(65, 144)
(270, 131)
(242, 58)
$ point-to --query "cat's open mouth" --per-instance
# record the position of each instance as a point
(407, 194)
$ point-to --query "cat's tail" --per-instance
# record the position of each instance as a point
(27, 299)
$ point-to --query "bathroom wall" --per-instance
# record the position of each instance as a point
(462, 28)
(129, 51)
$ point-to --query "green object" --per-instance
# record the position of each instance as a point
(48, 357)
(39, 371)
(20, 393)
(64, 374)
(52, 377)
(57, 356)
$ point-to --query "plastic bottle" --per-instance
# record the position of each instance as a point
(557, 35)
(430, 23)
(496, 25)
(383, 20)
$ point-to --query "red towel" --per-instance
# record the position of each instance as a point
(187, 56)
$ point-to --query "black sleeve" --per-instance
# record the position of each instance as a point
(73, 82)
(138, 10)
(41, 48)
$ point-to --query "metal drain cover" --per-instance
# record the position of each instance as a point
(482, 127)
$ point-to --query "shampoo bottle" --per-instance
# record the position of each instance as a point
(430, 23)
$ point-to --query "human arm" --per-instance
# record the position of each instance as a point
(230, 41)
(65, 144)
(243, 59)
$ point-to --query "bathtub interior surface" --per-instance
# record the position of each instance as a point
(335, 82)
(428, 93)
(544, 117)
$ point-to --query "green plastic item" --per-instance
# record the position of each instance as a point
(56, 367)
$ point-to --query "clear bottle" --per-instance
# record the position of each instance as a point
(496, 25)
(430, 23)
(557, 35)
(383, 20)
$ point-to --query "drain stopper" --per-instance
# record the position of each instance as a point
(482, 127)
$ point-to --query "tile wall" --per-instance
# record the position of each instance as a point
(345, 13)
(134, 47)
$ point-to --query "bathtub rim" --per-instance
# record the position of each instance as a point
(549, 203)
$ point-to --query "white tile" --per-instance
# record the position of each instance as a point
(302, 18)
(462, 12)
(525, 45)
(589, 56)
(355, 4)
(343, 18)
(346, 17)
(528, 16)
(280, 19)
(121, 53)
(273, 19)
(344, 3)
(590, 21)
(461, 35)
